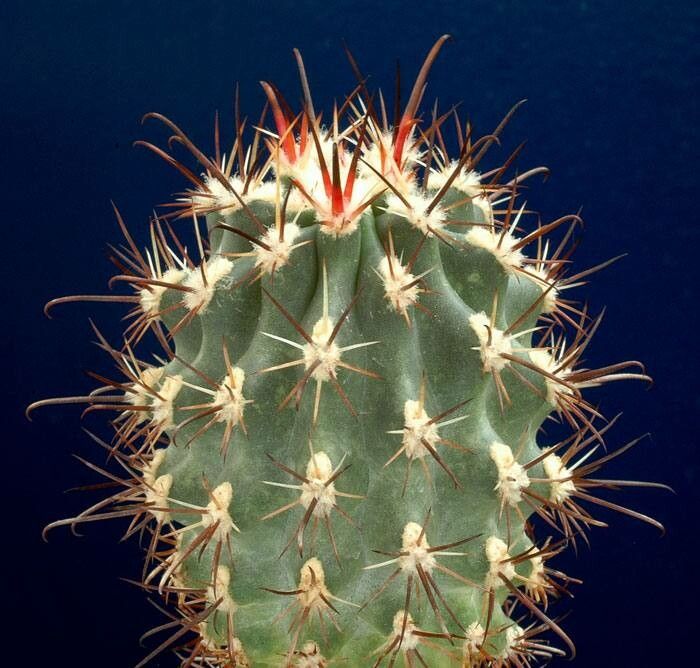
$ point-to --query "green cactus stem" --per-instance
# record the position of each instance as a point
(337, 457)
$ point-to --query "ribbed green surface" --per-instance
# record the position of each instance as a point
(440, 348)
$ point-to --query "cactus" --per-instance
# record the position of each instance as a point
(337, 456)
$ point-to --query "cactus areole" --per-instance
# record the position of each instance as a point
(337, 456)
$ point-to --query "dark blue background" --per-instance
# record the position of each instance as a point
(612, 109)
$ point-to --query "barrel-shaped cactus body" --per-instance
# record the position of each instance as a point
(338, 457)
